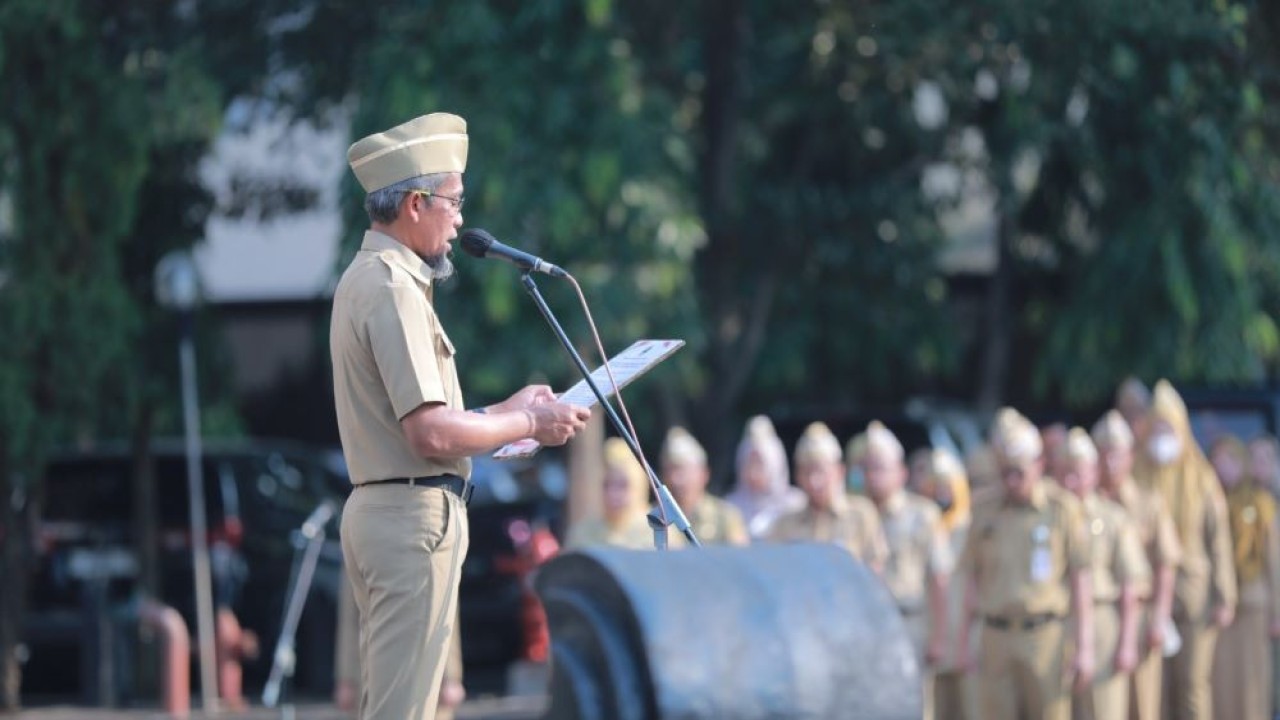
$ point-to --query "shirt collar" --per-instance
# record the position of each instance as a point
(397, 252)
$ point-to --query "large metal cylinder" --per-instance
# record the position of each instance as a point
(767, 632)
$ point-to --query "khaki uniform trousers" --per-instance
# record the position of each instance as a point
(1187, 695)
(1108, 697)
(403, 548)
(1144, 684)
(1242, 667)
(917, 624)
(1021, 674)
(955, 696)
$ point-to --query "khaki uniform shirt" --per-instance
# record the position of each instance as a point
(390, 355)
(918, 549)
(852, 523)
(1154, 529)
(1116, 558)
(1021, 556)
(714, 521)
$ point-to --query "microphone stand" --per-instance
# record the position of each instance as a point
(309, 540)
(668, 512)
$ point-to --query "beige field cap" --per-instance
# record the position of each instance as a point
(427, 144)
(817, 445)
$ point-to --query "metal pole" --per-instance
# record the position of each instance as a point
(199, 523)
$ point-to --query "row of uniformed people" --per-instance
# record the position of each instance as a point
(1081, 587)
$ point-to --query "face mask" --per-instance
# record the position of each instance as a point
(1165, 448)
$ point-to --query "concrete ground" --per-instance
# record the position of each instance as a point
(517, 708)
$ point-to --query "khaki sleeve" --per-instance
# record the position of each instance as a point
(1130, 561)
(1168, 548)
(967, 561)
(1217, 540)
(1076, 537)
(404, 347)
(878, 546)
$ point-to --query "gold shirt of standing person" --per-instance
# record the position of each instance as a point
(1026, 563)
(830, 515)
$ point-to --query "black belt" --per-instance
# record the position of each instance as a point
(1030, 622)
(452, 483)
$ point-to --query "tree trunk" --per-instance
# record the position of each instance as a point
(14, 546)
(728, 319)
(146, 540)
(997, 338)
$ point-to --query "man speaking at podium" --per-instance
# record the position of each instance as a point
(405, 433)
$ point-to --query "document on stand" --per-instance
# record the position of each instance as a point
(626, 365)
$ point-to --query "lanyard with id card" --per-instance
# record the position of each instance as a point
(1041, 558)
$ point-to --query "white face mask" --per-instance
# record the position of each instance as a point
(1164, 448)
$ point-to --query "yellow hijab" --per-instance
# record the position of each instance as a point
(945, 469)
(1184, 482)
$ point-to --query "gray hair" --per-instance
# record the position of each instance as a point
(383, 206)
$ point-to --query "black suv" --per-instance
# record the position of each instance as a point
(257, 496)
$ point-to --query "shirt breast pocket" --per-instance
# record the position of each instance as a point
(448, 370)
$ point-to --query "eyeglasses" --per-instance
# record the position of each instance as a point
(457, 201)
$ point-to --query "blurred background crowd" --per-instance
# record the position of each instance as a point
(1180, 544)
(915, 212)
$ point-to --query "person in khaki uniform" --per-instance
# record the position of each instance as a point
(685, 471)
(1027, 565)
(1241, 677)
(955, 690)
(1154, 528)
(1204, 592)
(1118, 569)
(405, 433)
(624, 521)
(830, 515)
(920, 561)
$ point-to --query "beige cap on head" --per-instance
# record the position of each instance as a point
(1014, 438)
(881, 439)
(817, 444)
(434, 143)
(1079, 447)
(681, 448)
(1111, 431)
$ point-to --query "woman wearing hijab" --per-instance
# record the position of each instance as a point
(1242, 662)
(763, 491)
(1204, 593)
(955, 693)
(626, 504)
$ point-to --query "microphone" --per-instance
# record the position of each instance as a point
(479, 243)
(317, 520)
